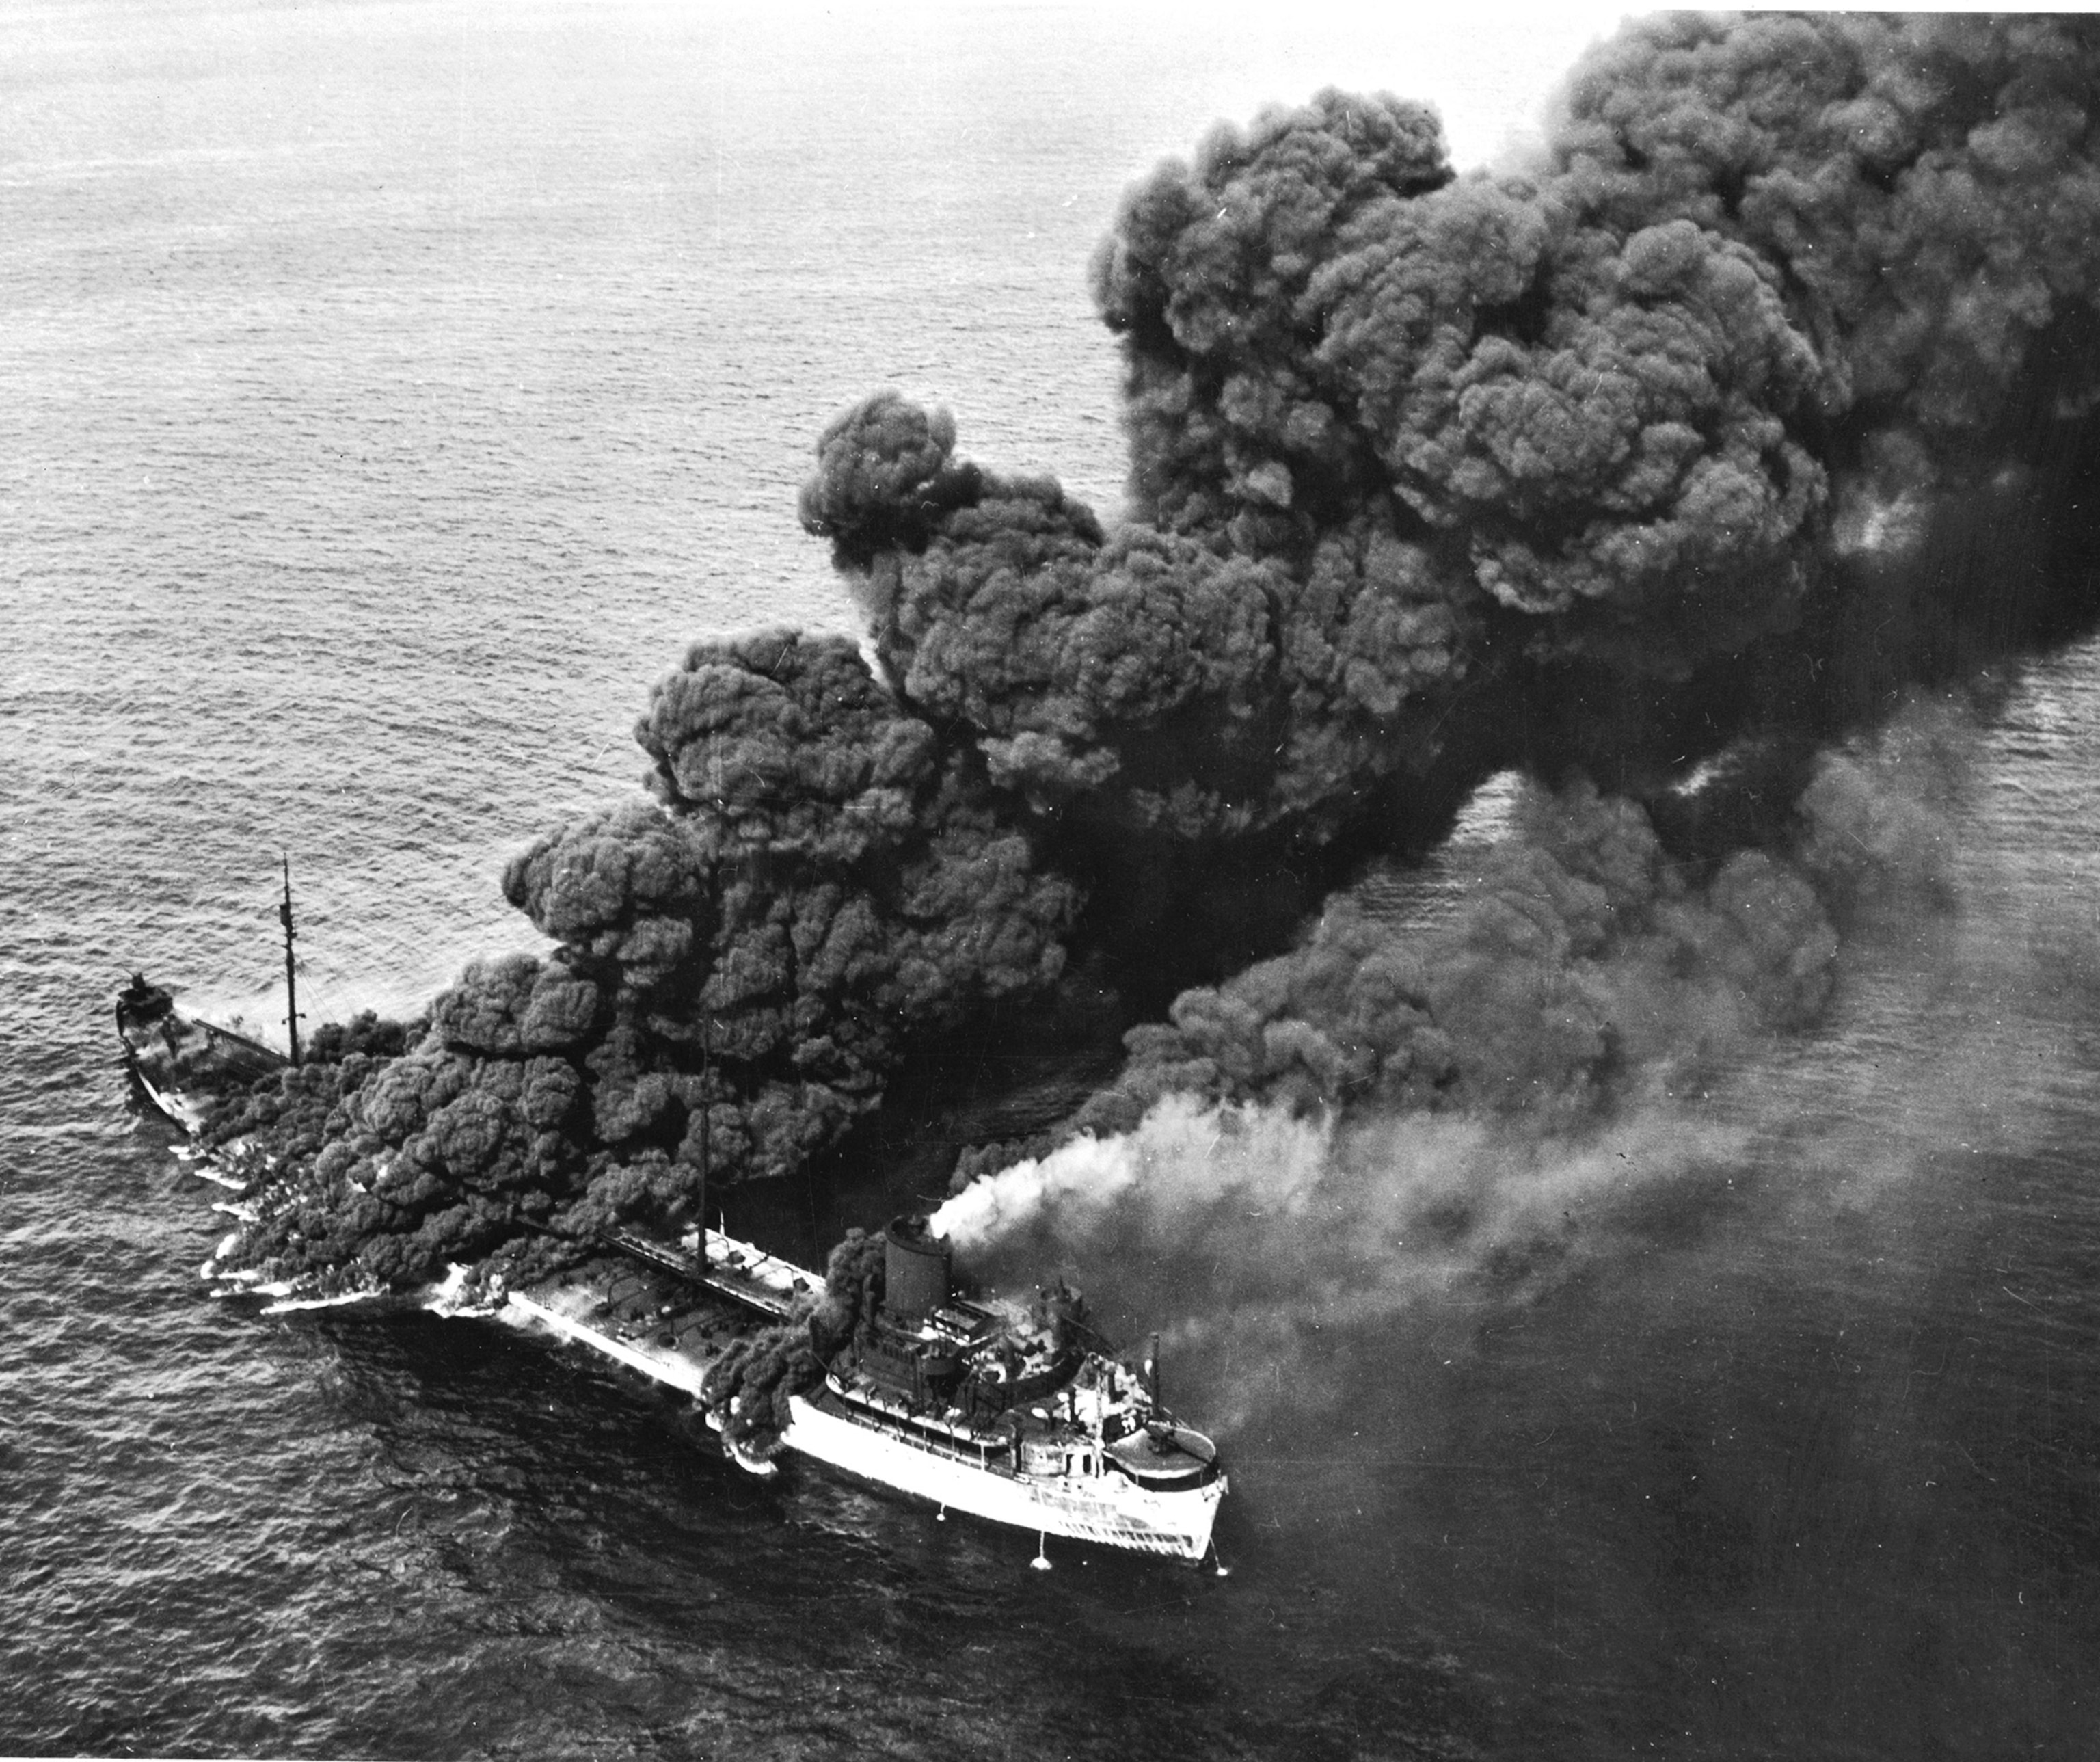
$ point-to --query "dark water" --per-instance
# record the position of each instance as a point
(387, 401)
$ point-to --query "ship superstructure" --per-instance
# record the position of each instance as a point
(1013, 1412)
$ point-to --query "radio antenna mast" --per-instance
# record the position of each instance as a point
(291, 981)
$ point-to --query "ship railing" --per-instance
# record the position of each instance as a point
(919, 1437)
(755, 1277)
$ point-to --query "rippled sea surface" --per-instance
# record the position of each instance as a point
(388, 397)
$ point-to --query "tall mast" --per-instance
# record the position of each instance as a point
(291, 981)
(707, 1119)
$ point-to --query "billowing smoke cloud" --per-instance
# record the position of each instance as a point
(1765, 395)
(819, 876)
(1764, 259)
(747, 1390)
(1582, 955)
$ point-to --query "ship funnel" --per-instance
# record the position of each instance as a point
(915, 1270)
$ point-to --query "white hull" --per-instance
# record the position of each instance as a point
(1106, 1508)
(172, 1103)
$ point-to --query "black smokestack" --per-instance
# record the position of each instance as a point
(1763, 399)
(915, 1270)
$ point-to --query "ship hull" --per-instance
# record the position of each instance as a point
(1177, 1524)
(1121, 1514)
(172, 1103)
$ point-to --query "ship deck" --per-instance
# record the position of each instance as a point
(740, 1271)
(184, 1064)
(669, 1328)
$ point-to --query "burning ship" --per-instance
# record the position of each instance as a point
(1013, 1412)
(1019, 1413)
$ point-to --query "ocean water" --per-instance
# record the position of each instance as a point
(390, 392)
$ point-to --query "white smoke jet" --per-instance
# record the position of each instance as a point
(1183, 1152)
(1188, 1161)
(1242, 1210)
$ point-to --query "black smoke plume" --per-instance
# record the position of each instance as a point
(1763, 399)
(745, 1391)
